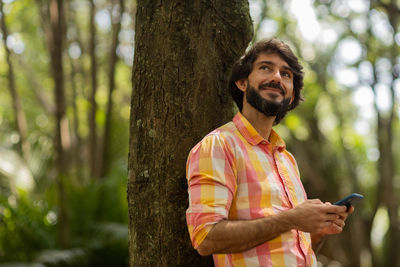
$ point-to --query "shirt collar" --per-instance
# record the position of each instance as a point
(252, 136)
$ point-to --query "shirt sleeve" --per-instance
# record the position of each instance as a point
(211, 185)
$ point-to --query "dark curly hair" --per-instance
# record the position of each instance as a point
(243, 67)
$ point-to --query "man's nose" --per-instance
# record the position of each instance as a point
(276, 77)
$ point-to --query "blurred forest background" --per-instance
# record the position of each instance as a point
(65, 87)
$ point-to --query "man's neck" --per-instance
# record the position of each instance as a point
(258, 120)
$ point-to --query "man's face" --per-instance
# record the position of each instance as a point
(269, 87)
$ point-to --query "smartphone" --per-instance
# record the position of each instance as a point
(349, 200)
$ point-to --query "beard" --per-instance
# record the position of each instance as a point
(267, 107)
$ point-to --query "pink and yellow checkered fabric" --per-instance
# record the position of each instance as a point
(233, 173)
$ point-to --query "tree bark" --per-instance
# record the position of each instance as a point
(183, 54)
(20, 119)
(106, 159)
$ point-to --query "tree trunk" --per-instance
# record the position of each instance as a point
(77, 141)
(393, 200)
(386, 170)
(56, 43)
(93, 151)
(106, 159)
(77, 149)
(20, 120)
(183, 54)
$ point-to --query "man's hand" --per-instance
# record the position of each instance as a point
(337, 226)
(314, 216)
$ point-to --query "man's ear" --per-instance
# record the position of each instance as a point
(241, 84)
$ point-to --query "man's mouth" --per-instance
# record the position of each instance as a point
(274, 87)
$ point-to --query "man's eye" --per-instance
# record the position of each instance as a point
(265, 67)
(286, 74)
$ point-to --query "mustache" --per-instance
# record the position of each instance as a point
(272, 85)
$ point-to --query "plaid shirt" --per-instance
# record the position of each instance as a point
(235, 174)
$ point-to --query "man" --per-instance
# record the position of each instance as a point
(247, 205)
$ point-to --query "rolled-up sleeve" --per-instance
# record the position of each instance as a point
(210, 172)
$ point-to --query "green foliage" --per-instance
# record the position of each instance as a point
(97, 201)
(98, 218)
(109, 246)
(96, 208)
(25, 227)
(63, 258)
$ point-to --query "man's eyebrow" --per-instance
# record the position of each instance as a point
(265, 62)
(272, 63)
